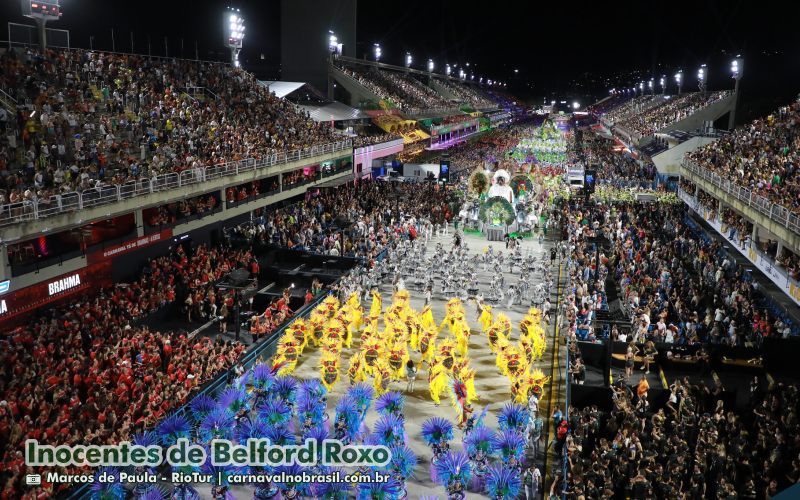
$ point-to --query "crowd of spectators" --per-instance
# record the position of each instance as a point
(376, 212)
(466, 94)
(92, 119)
(761, 156)
(172, 213)
(90, 372)
(708, 202)
(694, 447)
(669, 111)
(404, 91)
(368, 140)
(607, 105)
(627, 109)
(668, 274)
(618, 168)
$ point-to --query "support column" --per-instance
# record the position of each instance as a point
(138, 217)
(224, 202)
(779, 250)
(754, 236)
(280, 182)
(5, 267)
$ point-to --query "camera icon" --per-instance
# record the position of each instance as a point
(33, 479)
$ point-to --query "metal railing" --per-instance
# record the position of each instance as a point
(776, 213)
(36, 209)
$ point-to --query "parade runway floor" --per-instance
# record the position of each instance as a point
(492, 388)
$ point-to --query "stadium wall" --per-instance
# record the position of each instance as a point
(304, 37)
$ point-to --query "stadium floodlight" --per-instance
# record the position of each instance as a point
(736, 67)
(334, 47)
(679, 80)
(650, 85)
(641, 87)
(409, 59)
(463, 75)
(234, 32)
(576, 105)
(447, 69)
(430, 65)
(701, 78)
(377, 52)
(663, 83)
(516, 71)
(472, 76)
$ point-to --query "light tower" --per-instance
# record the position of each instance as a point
(737, 65)
(377, 52)
(701, 78)
(663, 83)
(41, 11)
(679, 80)
(447, 69)
(650, 86)
(409, 59)
(431, 66)
(334, 47)
(234, 30)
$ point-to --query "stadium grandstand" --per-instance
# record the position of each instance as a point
(371, 267)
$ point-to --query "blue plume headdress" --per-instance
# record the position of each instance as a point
(453, 466)
(435, 429)
(173, 428)
(513, 417)
(480, 439)
(389, 431)
(390, 402)
(218, 424)
(503, 483)
(109, 490)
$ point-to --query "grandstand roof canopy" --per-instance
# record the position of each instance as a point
(335, 111)
(281, 89)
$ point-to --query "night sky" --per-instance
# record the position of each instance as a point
(568, 50)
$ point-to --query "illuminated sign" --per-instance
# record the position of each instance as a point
(3, 307)
(4, 286)
(64, 284)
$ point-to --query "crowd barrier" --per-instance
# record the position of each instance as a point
(763, 205)
(778, 356)
(35, 209)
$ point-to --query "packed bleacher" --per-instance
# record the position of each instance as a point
(627, 109)
(309, 226)
(694, 447)
(466, 94)
(618, 169)
(669, 111)
(92, 119)
(91, 373)
(761, 156)
(369, 139)
(668, 274)
(403, 90)
(607, 105)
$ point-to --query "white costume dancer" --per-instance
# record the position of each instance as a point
(501, 187)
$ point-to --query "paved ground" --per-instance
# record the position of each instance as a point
(491, 386)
